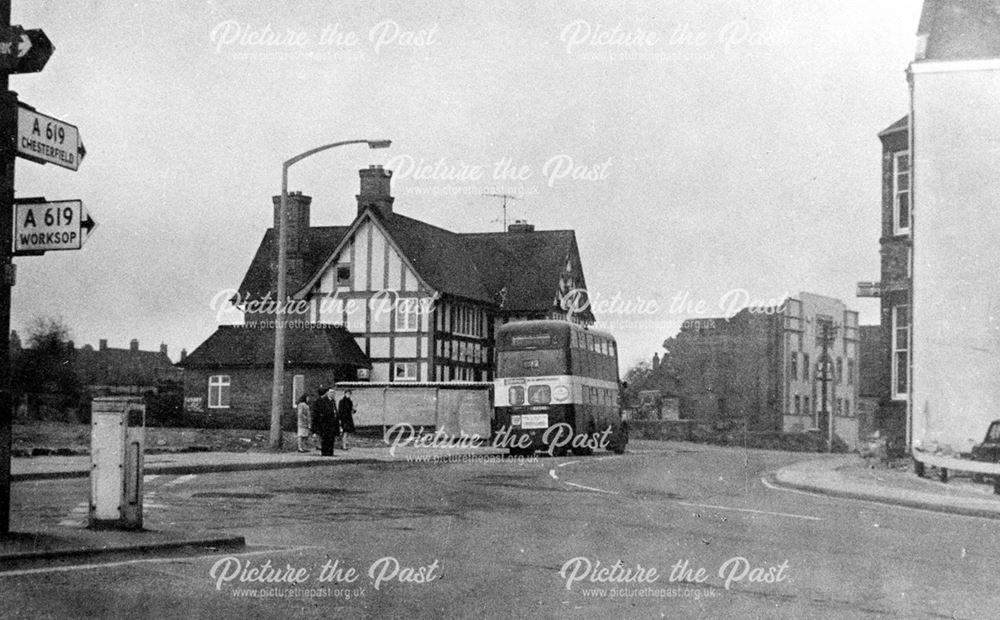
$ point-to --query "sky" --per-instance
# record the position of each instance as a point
(707, 153)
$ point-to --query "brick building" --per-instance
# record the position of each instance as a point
(420, 302)
(889, 377)
(761, 366)
(228, 378)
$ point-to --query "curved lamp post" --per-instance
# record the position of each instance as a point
(277, 389)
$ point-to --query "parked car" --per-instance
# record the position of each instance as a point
(989, 450)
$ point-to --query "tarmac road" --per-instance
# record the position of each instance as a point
(509, 538)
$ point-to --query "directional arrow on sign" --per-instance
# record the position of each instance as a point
(41, 226)
(23, 51)
(49, 140)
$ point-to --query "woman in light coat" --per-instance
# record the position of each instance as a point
(305, 421)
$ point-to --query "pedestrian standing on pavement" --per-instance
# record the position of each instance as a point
(325, 421)
(345, 415)
(304, 422)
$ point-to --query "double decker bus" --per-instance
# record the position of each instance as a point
(557, 389)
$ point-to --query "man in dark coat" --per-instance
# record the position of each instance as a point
(325, 422)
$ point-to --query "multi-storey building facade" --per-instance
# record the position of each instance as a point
(954, 136)
(938, 243)
(895, 249)
(765, 366)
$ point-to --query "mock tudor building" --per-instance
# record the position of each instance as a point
(764, 366)
(420, 302)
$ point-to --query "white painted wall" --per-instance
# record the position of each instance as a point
(955, 390)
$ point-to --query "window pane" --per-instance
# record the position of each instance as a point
(901, 372)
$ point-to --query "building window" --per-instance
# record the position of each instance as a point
(805, 369)
(840, 370)
(343, 276)
(805, 405)
(798, 405)
(850, 372)
(405, 371)
(218, 392)
(793, 366)
(901, 193)
(407, 315)
(900, 352)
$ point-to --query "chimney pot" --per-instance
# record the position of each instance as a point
(184, 354)
(375, 190)
(102, 344)
(520, 226)
(163, 348)
(134, 344)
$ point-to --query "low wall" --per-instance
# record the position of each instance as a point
(452, 407)
(704, 432)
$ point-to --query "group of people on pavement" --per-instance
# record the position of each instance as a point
(326, 418)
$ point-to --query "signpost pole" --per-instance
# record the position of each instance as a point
(8, 155)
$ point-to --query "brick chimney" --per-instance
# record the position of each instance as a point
(520, 226)
(133, 345)
(102, 344)
(375, 190)
(163, 349)
(184, 354)
(297, 235)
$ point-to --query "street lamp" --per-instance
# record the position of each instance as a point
(279, 318)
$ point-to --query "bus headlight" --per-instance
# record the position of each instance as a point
(560, 394)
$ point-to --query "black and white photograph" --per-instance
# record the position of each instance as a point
(426, 309)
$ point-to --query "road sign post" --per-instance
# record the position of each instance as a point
(29, 134)
(8, 155)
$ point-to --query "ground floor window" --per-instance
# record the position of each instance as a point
(218, 391)
(900, 352)
(405, 371)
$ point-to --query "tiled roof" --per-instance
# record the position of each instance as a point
(901, 125)
(527, 264)
(521, 268)
(440, 256)
(248, 347)
(959, 30)
(260, 278)
(122, 367)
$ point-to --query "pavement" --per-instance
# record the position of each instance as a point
(844, 476)
(849, 476)
(25, 549)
